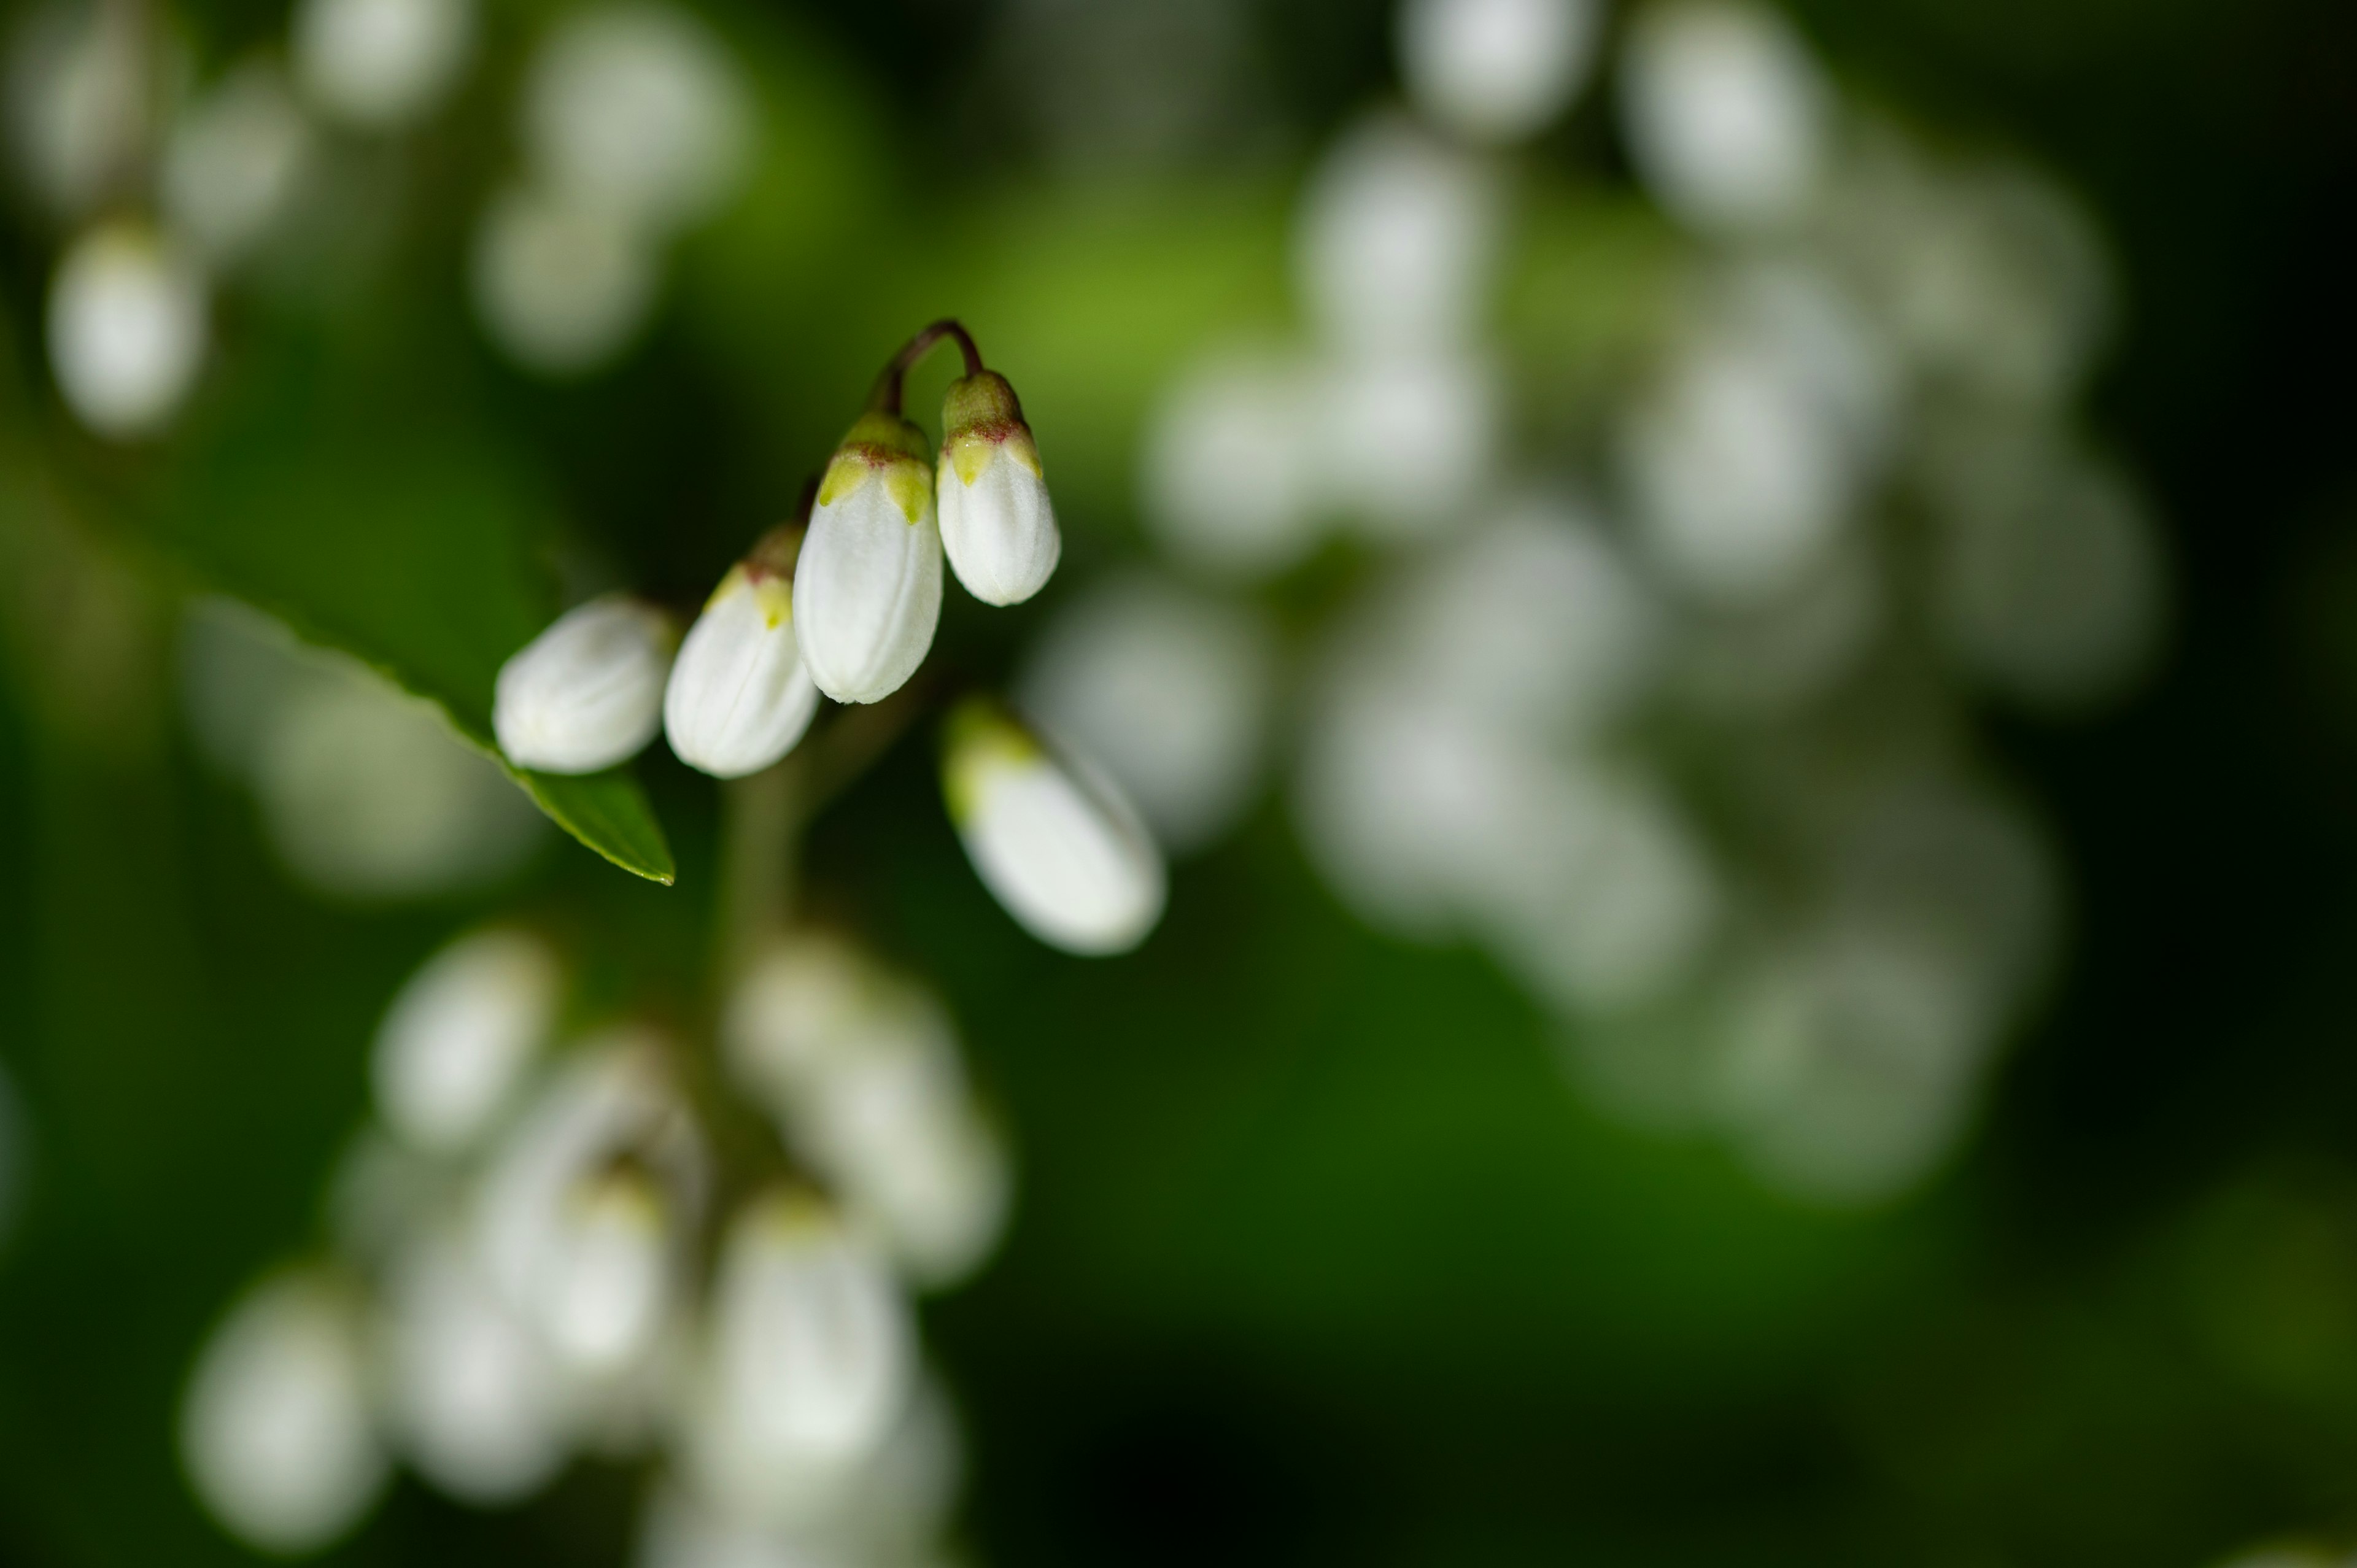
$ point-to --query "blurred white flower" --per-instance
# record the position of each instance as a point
(1847, 1072)
(476, 1403)
(1992, 279)
(366, 794)
(233, 162)
(1397, 242)
(459, 1036)
(587, 691)
(588, 1204)
(1607, 900)
(868, 585)
(807, 1368)
(126, 328)
(1739, 483)
(562, 287)
(1533, 622)
(1052, 838)
(1408, 440)
(997, 525)
(2050, 581)
(1234, 464)
(1169, 690)
(1773, 657)
(380, 65)
(80, 97)
(637, 111)
(1726, 114)
(1496, 71)
(276, 1431)
(739, 698)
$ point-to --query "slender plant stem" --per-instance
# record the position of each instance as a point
(885, 398)
(761, 826)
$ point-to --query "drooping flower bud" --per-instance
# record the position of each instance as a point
(997, 522)
(739, 698)
(277, 1433)
(460, 1034)
(127, 326)
(588, 692)
(809, 1364)
(1052, 839)
(476, 1402)
(868, 585)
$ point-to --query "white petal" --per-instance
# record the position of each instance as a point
(739, 698)
(588, 692)
(1496, 69)
(276, 1432)
(1061, 850)
(127, 325)
(867, 593)
(459, 1035)
(1000, 530)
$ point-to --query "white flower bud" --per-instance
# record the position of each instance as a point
(1169, 690)
(233, 161)
(126, 322)
(276, 1432)
(1398, 242)
(1232, 466)
(1056, 845)
(862, 1069)
(380, 64)
(476, 1400)
(587, 691)
(637, 110)
(868, 585)
(1724, 112)
(809, 1366)
(560, 285)
(739, 698)
(1496, 71)
(459, 1037)
(996, 522)
(582, 1213)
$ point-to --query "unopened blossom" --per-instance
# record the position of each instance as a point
(276, 1432)
(1496, 71)
(1726, 114)
(126, 328)
(739, 698)
(868, 583)
(1054, 842)
(378, 65)
(588, 692)
(809, 1362)
(460, 1034)
(997, 522)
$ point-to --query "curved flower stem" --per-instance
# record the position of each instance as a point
(885, 398)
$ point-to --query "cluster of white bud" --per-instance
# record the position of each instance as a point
(517, 1272)
(847, 606)
(1506, 738)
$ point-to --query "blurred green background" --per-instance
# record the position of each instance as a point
(1314, 1259)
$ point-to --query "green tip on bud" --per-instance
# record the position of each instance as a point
(982, 403)
(883, 444)
(978, 736)
(886, 437)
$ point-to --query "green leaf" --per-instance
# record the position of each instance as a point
(379, 524)
(607, 812)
